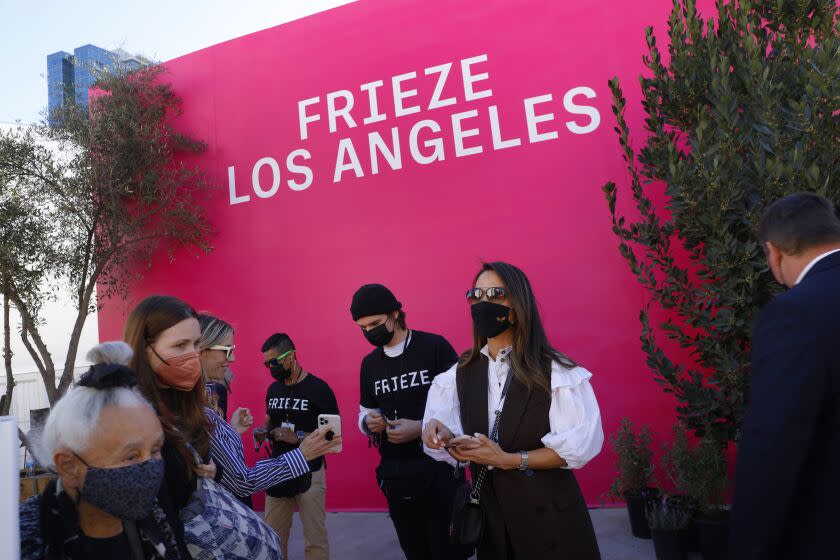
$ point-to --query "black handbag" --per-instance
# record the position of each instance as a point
(291, 488)
(467, 515)
(295, 486)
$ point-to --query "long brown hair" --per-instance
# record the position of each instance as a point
(181, 412)
(531, 348)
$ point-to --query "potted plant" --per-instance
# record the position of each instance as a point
(668, 526)
(635, 474)
(688, 505)
(700, 473)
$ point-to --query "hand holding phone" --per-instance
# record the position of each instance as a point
(435, 435)
(330, 426)
(464, 443)
(325, 439)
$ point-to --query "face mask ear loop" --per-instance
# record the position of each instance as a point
(156, 354)
(80, 459)
(78, 497)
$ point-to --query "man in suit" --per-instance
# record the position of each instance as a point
(787, 486)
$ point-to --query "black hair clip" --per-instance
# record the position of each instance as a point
(105, 376)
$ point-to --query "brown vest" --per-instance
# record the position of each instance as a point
(534, 514)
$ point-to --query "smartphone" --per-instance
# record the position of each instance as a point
(464, 443)
(333, 423)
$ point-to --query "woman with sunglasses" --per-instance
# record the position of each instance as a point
(523, 415)
(164, 334)
(217, 353)
(226, 449)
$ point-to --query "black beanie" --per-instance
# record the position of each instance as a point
(373, 299)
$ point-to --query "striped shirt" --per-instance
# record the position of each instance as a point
(227, 450)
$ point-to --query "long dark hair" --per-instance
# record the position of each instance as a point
(531, 348)
(181, 412)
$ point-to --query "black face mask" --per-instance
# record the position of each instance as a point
(490, 319)
(281, 373)
(380, 335)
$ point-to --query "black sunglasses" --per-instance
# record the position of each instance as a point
(474, 295)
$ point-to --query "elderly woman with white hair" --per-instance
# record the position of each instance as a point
(103, 440)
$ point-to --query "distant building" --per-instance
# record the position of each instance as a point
(69, 76)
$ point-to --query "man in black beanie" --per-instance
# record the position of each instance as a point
(395, 380)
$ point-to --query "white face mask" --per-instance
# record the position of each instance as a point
(228, 376)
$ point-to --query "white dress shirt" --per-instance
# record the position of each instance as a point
(574, 417)
(811, 264)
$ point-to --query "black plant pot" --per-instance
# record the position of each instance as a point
(669, 544)
(683, 502)
(692, 538)
(636, 508)
(714, 537)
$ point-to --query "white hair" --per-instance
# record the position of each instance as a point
(114, 352)
(75, 417)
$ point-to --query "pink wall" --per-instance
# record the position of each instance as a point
(292, 260)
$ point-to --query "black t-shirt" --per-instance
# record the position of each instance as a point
(107, 548)
(398, 386)
(299, 404)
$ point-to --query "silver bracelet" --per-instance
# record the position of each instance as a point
(523, 460)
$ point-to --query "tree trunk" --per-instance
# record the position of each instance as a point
(39, 352)
(7, 359)
(47, 372)
(73, 346)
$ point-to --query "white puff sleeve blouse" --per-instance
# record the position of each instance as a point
(574, 417)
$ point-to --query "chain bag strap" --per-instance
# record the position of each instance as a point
(467, 516)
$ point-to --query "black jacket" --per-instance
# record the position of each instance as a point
(787, 486)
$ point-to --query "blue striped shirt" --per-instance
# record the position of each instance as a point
(227, 450)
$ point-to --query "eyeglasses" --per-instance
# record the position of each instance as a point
(228, 350)
(275, 362)
(474, 295)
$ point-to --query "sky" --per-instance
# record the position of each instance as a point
(158, 29)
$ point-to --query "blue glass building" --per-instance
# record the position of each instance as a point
(69, 76)
(60, 76)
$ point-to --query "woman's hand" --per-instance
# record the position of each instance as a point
(241, 420)
(464, 443)
(484, 451)
(316, 444)
(206, 471)
(436, 434)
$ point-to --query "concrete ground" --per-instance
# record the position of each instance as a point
(371, 536)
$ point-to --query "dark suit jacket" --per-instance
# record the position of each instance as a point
(787, 486)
